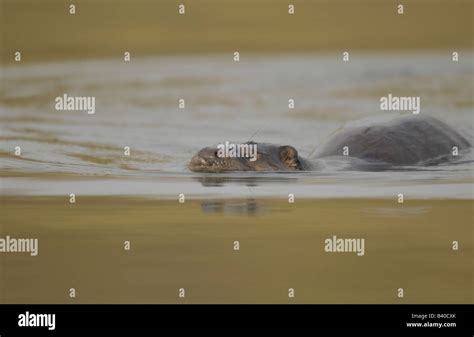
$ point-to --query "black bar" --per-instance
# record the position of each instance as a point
(326, 317)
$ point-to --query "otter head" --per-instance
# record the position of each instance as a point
(267, 157)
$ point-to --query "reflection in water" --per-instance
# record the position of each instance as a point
(249, 206)
(251, 181)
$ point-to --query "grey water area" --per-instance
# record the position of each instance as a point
(137, 106)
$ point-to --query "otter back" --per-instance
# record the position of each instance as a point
(408, 140)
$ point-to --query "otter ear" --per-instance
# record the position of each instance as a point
(289, 156)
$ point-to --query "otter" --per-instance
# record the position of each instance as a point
(405, 141)
(270, 157)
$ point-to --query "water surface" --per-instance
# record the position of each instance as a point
(137, 106)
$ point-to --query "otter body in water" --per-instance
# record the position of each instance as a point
(411, 140)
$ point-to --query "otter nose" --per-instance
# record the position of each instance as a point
(198, 160)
